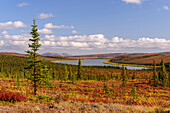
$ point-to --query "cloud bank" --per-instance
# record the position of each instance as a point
(12, 25)
(88, 43)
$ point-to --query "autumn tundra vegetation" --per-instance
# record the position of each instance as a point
(31, 84)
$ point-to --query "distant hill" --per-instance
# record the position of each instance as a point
(56, 54)
(146, 58)
(8, 53)
(110, 55)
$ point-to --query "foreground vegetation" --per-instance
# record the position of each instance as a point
(98, 86)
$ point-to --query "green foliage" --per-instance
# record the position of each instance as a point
(95, 77)
(133, 93)
(10, 66)
(73, 78)
(123, 76)
(45, 98)
(154, 77)
(134, 76)
(18, 81)
(106, 88)
(113, 86)
(53, 73)
(105, 78)
(111, 76)
(65, 74)
(70, 73)
(79, 74)
(117, 77)
(36, 66)
(163, 75)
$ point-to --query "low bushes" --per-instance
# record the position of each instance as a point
(11, 97)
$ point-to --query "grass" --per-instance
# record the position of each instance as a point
(89, 93)
(92, 92)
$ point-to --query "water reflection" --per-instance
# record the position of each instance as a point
(99, 62)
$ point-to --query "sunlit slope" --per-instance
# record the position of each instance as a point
(143, 58)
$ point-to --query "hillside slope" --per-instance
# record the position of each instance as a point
(146, 59)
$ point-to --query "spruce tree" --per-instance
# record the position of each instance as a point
(106, 88)
(53, 73)
(163, 76)
(73, 78)
(111, 76)
(133, 93)
(154, 78)
(134, 76)
(65, 74)
(79, 74)
(70, 73)
(113, 86)
(123, 75)
(36, 66)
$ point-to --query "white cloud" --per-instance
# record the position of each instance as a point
(117, 39)
(50, 26)
(11, 25)
(78, 38)
(78, 41)
(22, 37)
(22, 4)
(166, 7)
(133, 1)
(74, 32)
(45, 31)
(49, 37)
(99, 41)
(44, 15)
(141, 43)
(19, 43)
(5, 33)
(93, 43)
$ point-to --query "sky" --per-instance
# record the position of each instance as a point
(80, 27)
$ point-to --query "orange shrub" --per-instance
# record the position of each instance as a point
(11, 97)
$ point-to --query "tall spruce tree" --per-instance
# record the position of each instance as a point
(70, 73)
(36, 66)
(155, 77)
(65, 74)
(79, 74)
(163, 75)
(123, 76)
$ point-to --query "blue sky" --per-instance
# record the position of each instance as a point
(87, 26)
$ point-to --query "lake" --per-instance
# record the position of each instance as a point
(99, 62)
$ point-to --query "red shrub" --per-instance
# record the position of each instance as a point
(11, 97)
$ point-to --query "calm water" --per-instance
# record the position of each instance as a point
(98, 63)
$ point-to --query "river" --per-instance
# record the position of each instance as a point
(99, 62)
